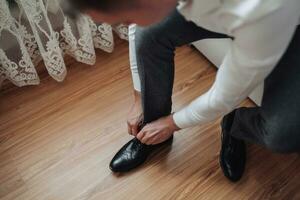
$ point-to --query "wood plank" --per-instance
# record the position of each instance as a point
(57, 139)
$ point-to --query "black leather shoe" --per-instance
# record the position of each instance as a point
(133, 154)
(233, 151)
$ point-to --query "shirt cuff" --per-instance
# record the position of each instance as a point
(183, 119)
(136, 81)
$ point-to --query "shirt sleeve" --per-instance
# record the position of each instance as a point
(132, 58)
(253, 54)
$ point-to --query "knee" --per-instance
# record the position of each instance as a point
(150, 41)
(281, 138)
(278, 144)
(144, 40)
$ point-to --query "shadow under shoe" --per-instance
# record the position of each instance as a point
(233, 151)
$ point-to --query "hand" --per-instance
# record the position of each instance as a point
(157, 131)
(135, 115)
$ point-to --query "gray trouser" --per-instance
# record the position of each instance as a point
(276, 124)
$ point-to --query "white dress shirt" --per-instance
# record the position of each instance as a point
(262, 30)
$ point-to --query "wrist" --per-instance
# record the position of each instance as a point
(174, 125)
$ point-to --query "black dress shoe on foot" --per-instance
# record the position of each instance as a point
(233, 151)
(133, 154)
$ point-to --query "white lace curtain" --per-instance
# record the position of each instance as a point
(36, 30)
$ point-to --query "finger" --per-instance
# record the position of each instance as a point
(149, 142)
(140, 135)
(145, 140)
(129, 129)
(154, 140)
(148, 138)
(157, 138)
(134, 130)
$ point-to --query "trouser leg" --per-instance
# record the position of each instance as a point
(155, 46)
(276, 124)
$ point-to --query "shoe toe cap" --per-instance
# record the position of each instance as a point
(118, 164)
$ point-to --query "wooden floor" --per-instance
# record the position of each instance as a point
(56, 141)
